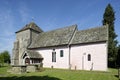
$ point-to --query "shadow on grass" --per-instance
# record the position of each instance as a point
(29, 78)
(116, 76)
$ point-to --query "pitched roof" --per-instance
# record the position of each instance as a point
(54, 38)
(33, 54)
(91, 35)
(32, 26)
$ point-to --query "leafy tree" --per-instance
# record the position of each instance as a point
(109, 18)
(1, 60)
(5, 56)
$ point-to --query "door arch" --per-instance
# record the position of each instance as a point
(27, 61)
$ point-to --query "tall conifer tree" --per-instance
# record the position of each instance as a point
(109, 18)
(118, 57)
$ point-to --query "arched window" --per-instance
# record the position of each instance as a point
(53, 56)
(61, 53)
(89, 57)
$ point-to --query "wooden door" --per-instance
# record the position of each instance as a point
(27, 61)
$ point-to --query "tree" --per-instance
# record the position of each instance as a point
(1, 60)
(5, 56)
(109, 18)
(118, 56)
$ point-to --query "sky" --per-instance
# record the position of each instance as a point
(50, 15)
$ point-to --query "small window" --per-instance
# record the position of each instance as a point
(53, 56)
(89, 57)
(53, 49)
(61, 53)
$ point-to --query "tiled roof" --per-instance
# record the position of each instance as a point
(32, 26)
(33, 54)
(69, 35)
(54, 38)
(91, 35)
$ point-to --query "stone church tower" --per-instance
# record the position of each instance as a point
(24, 38)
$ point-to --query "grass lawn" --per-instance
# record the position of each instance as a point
(60, 74)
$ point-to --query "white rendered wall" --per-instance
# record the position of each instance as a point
(61, 62)
(79, 57)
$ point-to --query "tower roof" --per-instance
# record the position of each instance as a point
(32, 26)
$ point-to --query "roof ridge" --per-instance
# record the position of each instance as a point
(32, 26)
(74, 25)
(93, 28)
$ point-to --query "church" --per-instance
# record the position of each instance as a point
(64, 48)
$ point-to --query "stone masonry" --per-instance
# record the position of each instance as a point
(23, 40)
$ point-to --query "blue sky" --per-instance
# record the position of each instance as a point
(51, 14)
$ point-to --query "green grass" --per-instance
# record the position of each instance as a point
(60, 74)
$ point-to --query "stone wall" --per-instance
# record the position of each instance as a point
(33, 35)
(15, 55)
(18, 69)
(32, 68)
(26, 68)
(24, 39)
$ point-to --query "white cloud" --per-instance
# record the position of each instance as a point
(8, 20)
(24, 12)
(6, 44)
(7, 29)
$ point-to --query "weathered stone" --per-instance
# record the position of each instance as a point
(18, 69)
(32, 68)
(25, 68)
(24, 38)
(15, 57)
